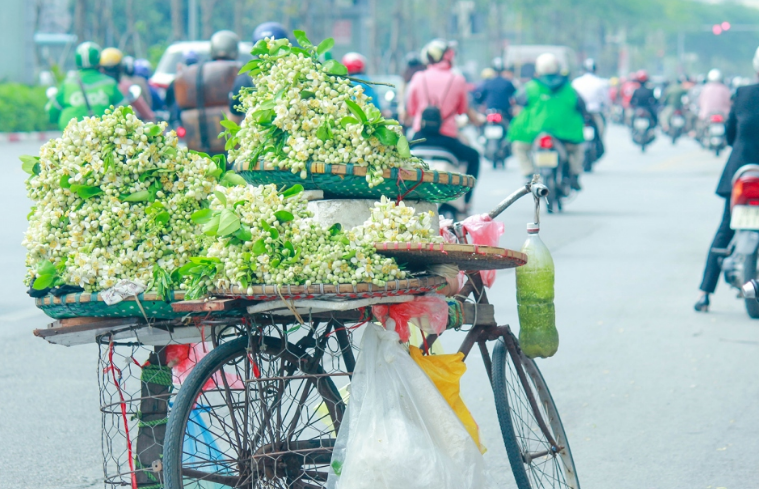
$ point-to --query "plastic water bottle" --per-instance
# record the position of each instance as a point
(537, 316)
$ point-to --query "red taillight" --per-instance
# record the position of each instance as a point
(546, 142)
(181, 132)
(717, 118)
(745, 191)
(495, 117)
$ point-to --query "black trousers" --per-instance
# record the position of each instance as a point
(461, 151)
(721, 240)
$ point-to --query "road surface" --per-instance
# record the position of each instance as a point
(652, 394)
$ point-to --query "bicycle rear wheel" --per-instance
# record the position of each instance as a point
(256, 412)
(535, 461)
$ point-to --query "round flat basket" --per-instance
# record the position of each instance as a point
(466, 256)
(349, 181)
(85, 304)
(417, 285)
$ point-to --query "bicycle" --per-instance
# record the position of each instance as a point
(263, 408)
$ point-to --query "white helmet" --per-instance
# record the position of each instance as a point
(547, 64)
(756, 60)
(714, 75)
(434, 51)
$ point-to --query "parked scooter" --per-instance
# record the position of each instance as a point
(643, 132)
(739, 264)
(497, 147)
(444, 161)
(551, 161)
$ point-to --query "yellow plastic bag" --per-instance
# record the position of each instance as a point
(446, 371)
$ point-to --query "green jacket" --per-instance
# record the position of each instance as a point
(102, 92)
(673, 96)
(551, 106)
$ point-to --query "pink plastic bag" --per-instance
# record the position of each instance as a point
(183, 358)
(483, 230)
(428, 312)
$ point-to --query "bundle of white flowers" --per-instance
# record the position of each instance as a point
(112, 200)
(262, 236)
(302, 111)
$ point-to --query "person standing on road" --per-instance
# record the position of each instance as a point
(84, 92)
(743, 136)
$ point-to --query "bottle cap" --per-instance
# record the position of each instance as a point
(533, 227)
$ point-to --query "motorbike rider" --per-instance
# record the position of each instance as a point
(84, 92)
(644, 98)
(144, 70)
(189, 58)
(743, 135)
(549, 104)
(112, 64)
(497, 92)
(356, 64)
(270, 30)
(714, 97)
(594, 91)
(672, 100)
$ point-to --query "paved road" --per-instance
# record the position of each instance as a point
(652, 395)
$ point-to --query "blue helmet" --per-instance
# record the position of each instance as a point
(273, 30)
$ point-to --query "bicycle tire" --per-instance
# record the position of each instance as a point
(527, 474)
(175, 474)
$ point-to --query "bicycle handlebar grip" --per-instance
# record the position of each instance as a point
(539, 190)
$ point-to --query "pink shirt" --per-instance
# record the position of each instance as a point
(429, 87)
(714, 99)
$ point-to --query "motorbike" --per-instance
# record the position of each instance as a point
(618, 114)
(592, 145)
(739, 262)
(441, 160)
(551, 161)
(676, 125)
(643, 132)
(715, 137)
(497, 147)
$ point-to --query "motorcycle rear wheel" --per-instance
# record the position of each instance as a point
(749, 273)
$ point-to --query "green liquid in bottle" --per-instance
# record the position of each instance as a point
(538, 336)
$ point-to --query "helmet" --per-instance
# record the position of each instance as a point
(547, 64)
(590, 65)
(190, 57)
(355, 62)
(272, 30)
(435, 51)
(128, 65)
(111, 57)
(225, 45)
(487, 73)
(613, 81)
(641, 76)
(87, 55)
(714, 75)
(497, 64)
(412, 59)
(756, 60)
(143, 68)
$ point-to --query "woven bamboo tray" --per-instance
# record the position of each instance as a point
(466, 256)
(349, 181)
(86, 304)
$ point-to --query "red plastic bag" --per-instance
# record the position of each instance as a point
(183, 358)
(483, 230)
(428, 312)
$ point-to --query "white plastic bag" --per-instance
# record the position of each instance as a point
(398, 431)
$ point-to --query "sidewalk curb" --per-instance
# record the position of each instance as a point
(16, 137)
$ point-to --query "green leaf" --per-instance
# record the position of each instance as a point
(230, 124)
(261, 47)
(302, 39)
(64, 182)
(43, 281)
(202, 216)
(307, 94)
(229, 223)
(232, 179)
(141, 196)
(273, 233)
(45, 267)
(86, 191)
(147, 174)
(348, 120)
(335, 229)
(284, 216)
(169, 151)
(221, 197)
(154, 130)
(212, 226)
(373, 113)
(386, 136)
(220, 160)
(325, 46)
(323, 132)
(249, 66)
(162, 217)
(356, 110)
(199, 153)
(403, 149)
(296, 50)
(334, 67)
(292, 191)
(28, 164)
(230, 144)
(259, 247)
(243, 234)
(265, 226)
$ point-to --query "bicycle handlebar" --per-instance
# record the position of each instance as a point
(534, 187)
